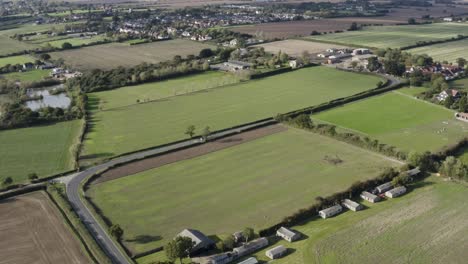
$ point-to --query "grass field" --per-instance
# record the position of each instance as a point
(399, 120)
(450, 51)
(76, 42)
(460, 84)
(32, 229)
(295, 47)
(9, 46)
(140, 126)
(396, 36)
(15, 60)
(27, 76)
(44, 150)
(276, 175)
(156, 91)
(109, 56)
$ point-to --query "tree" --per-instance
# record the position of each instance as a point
(411, 21)
(116, 231)
(248, 234)
(449, 102)
(354, 26)
(454, 168)
(7, 181)
(44, 56)
(179, 248)
(314, 33)
(190, 131)
(229, 243)
(206, 132)
(32, 176)
(463, 104)
(461, 62)
(67, 45)
(422, 160)
(373, 64)
(205, 53)
(354, 64)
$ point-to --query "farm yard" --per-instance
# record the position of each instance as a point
(138, 126)
(392, 231)
(32, 231)
(399, 120)
(109, 56)
(449, 51)
(294, 47)
(282, 173)
(396, 36)
(44, 150)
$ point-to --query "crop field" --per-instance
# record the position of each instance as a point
(396, 36)
(44, 150)
(139, 126)
(27, 76)
(109, 56)
(295, 47)
(399, 120)
(281, 173)
(160, 90)
(15, 60)
(33, 231)
(450, 51)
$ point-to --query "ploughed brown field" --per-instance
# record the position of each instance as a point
(32, 231)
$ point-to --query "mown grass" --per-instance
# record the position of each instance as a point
(253, 184)
(15, 60)
(396, 36)
(399, 120)
(75, 42)
(121, 130)
(28, 76)
(450, 51)
(10, 46)
(44, 150)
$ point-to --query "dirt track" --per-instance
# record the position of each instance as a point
(189, 153)
(33, 231)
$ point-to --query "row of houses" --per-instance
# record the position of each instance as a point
(449, 71)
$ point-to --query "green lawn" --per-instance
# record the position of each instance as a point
(399, 120)
(121, 130)
(28, 76)
(45, 150)
(155, 91)
(76, 42)
(396, 36)
(15, 60)
(253, 184)
(450, 51)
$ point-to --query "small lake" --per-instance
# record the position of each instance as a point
(60, 100)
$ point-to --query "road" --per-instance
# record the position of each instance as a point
(99, 232)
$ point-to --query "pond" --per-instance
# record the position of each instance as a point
(53, 100)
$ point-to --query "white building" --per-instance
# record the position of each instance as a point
(352, 205)
(398, 191)
(287, 234)
(276, 252)
(370, 197)
(384, 187)
(331, 211)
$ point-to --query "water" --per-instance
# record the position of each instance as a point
(59, 100)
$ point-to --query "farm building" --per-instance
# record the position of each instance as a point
(331, 211)
(222, 258)
(251, 260)
(352, 205)
(251, 246)
(238, 236)
(276, 252)
(287, 234)
(398, 191)
(384, 187)
(370, 197)
(462, 116)
(202, 242)
(361, 51)
(338, 58)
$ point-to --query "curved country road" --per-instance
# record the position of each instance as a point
(95, 228)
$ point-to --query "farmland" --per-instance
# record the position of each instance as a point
(75, 42)
(45, 149)
(138, 126)
(396, 36)
(282, 173)
(28, 76)
(15, 60)
(32, 231)
(450, 51)
(109, 56)
(295, 47)
(9, 46)
(399, 120)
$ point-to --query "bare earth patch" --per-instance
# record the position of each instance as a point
(158, 161)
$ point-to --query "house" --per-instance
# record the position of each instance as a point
(462, 116)
(287, 234)
(233, 43)
(448, 93)
(331, 211)
(276, 252)
(238, 236)
(337, 58)
(232, 65)
(202, 242)
(251, 260)
(361, 52)
(28, 66)
(383, 187)
(324, 55)
(351, 205)
(294, 64)
(398, 191)
(250, 247)
(448, 19)
(370, 197)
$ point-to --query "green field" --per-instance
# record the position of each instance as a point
(253, 184)
(76, 42)
(460, 84)
(9, 46)
(396, 36)
(45, 150)
(125, 129)
(28, 76)
(399, 120)
(15, 60)
(450, 51)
